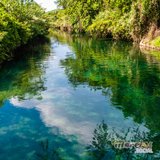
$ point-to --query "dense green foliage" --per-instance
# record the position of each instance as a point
(120, 19)
(20, 21)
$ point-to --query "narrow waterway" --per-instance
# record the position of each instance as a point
(68, 98)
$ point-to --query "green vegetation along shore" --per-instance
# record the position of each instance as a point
(20, 21)
(23, 20)
(133, 20)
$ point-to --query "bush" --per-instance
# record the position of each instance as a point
(19, 22)
(110, 23)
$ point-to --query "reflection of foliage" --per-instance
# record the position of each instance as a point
(120, 19)
(46, 153)
(102, 144)
(121, 72)
(24, 79)
(63, 149)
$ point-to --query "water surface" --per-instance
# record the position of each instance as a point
(59, 95)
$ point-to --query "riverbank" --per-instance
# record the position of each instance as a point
(151, 41)
(120, 20)
(149, 46)
(19, 23)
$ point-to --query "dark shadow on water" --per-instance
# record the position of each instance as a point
(46, 154)
(22, 76)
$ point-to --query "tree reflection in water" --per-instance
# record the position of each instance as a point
(102, 147)
(23, 77)
(46, 154)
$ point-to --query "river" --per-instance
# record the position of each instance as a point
(69, 98)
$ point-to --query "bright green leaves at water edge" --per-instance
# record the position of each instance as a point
(120, 19)
(20, 21)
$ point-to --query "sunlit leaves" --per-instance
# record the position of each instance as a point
(120, 19)
(20, 21)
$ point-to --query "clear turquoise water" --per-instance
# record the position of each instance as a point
(55, 96)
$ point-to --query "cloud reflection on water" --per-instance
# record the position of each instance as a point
(71, 118)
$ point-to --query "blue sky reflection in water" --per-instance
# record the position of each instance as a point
(67, 113)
